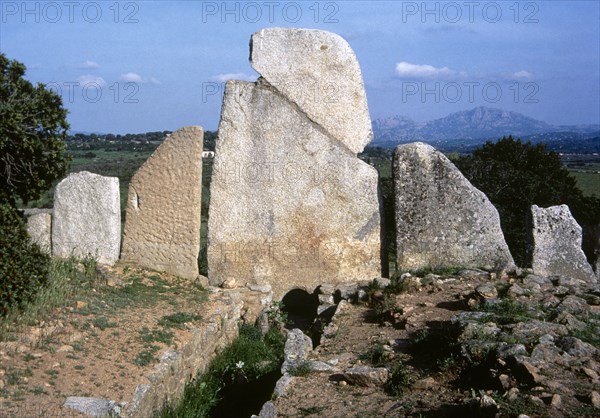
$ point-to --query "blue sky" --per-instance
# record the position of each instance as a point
(137, 66)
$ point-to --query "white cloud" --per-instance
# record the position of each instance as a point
(522, 75)
(132, 77)
(91, 79)
(233, 76)
(406, 69)
(89, 65)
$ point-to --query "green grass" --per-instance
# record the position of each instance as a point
(248, 358)
(588, 182)
(67, 279)
(178, 320)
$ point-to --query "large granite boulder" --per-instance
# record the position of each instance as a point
(317, 71)
(557, 244)
(441, 219)
(162, 224)
(87, 217)
(291, 204)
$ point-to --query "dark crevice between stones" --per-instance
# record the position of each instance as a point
(244, 399)
(302, 312)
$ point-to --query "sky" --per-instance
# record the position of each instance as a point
(139, 66)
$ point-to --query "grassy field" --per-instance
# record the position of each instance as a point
(586, 169)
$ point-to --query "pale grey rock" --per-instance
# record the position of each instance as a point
(487, 291)
(557, 244)
(289, 206)
(39, 227)
(87, 217)
(441, 219)
(282, 385)
(268, 410)
(366, 376)
(317, 71)
(162, 224)
(296, 350)
(93, 407)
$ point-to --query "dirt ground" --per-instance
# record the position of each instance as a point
(427, 386)
(102, 345)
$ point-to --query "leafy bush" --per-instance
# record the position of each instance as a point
(247, 359)
(515, 175)
(24, 267)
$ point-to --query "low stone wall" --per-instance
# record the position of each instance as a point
(225, 309)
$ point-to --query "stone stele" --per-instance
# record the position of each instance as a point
(162, 224)
(441, 219)
(39, 227)
(87, 217)
(291, 204)
(557, 244)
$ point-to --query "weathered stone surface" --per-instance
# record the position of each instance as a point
(317, 71)
(290, 204)
(87, 217)
(93, 407)
(297, 348)
(441, 219)
(39, 226)
(162, 226)
(557, 244)
(366, 376)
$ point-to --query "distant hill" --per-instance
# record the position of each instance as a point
(467, 129)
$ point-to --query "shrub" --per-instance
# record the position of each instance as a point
(24, 267)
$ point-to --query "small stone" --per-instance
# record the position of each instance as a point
(595, 399)
(556, 401)
(504, 381)
(530, 373)
(229, 284)
(590, 373)
(425, 384)
(366, 376)
(65, 349)
(487, 406)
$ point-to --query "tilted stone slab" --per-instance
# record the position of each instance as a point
(319, 72)
(290, 206)
(442, 220)
(87, 217)
(557, 244)
(162, 224)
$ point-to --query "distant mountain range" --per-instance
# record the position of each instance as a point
(463, 131)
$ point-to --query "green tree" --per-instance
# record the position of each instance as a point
(33, 127)
(515, 175)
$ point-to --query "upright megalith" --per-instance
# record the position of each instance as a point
(291, 204)
(441, 219)
(39, 227)
(162, 223)
(87, 217)
(557, 244)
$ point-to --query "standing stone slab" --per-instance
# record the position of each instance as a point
(319, 72)
(87, 217)
(291, 204)
(39, 227)
(162, 225)
(557, 244)
(441, 219)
